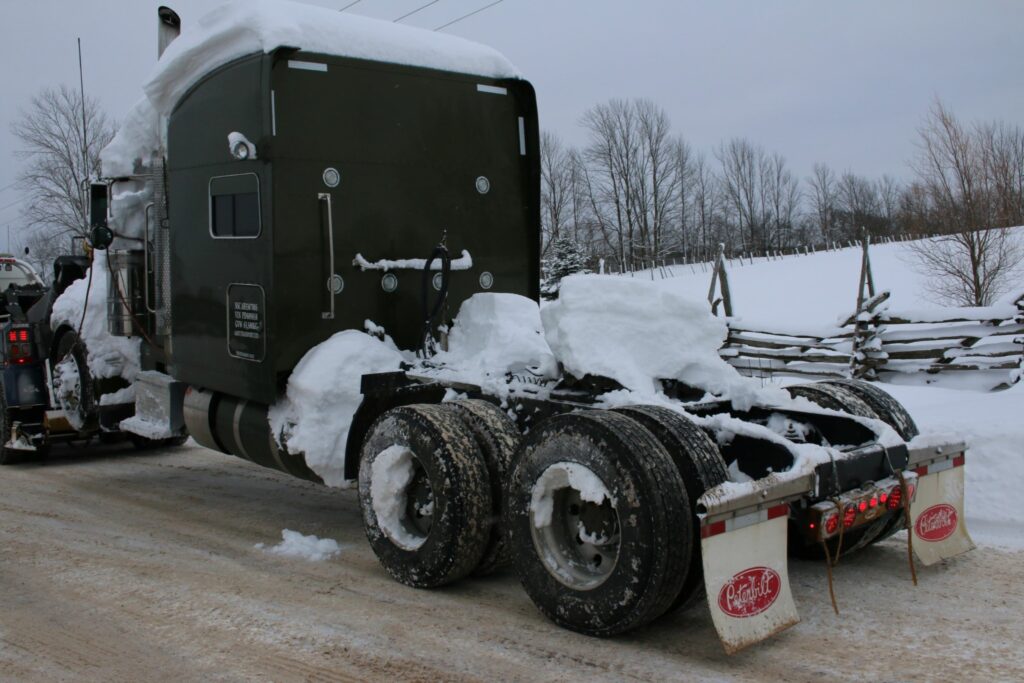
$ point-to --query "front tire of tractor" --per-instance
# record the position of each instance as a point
(425, 495)
(701, 465)
(599, 522)
(888, 409)
(141, 443)
(498, 439)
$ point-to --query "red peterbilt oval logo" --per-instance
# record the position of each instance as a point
(750, 592)
(937, 523)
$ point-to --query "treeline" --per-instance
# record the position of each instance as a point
(637, 193)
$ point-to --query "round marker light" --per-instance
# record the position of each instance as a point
(862, 506)
(486, 280)
(438, 281)
(831, 524)
(389, 282)
(873, 503)
(240, 151)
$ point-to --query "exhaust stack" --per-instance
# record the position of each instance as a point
(167, 29)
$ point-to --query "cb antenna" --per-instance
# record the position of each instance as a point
(85, 140)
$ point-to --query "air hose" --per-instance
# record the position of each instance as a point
(430, 313)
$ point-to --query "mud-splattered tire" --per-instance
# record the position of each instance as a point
(833, 397)
(436, 537)
(888, 409)
(701, 465)
(645, 528)
(498, 439)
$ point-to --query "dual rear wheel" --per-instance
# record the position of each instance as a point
(599, 506)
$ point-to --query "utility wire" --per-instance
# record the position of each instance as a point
(467, 16)
(16, 201)
(7, 187)
(351, 4)
(409, 14)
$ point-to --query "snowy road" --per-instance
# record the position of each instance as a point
(118, 566)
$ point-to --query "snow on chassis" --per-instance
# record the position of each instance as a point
(620, 505)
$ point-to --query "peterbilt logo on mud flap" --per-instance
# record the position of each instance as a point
(937, 523)
(750, 592)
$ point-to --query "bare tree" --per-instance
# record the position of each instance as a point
(782, 195)
(60, 157)
(824, 199)
(963, 173)
(970, 268)
(556, 187)
(742, 164)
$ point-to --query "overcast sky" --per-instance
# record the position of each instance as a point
(845, 83)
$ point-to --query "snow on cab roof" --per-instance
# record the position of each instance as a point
(243, 27)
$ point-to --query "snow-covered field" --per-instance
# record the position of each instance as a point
(814, 291)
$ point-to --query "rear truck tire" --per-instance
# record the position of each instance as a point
(498, 438)
(425, 495)
(74, 388)
(888, 409)
(599, 522)
(833, 397)
(701, 465)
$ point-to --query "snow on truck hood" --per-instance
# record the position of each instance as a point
(243, 27)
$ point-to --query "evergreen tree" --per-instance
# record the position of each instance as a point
(567, 258)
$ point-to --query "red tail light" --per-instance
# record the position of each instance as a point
(831, 524)
(862, 506)
(23, 335)
(873, 502)
(12, 336)
(849, 516)
(895, 498)
(883, 497)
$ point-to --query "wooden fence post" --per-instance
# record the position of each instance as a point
(720, 277)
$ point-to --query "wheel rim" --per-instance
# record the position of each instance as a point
(579, 544)
(402, 497)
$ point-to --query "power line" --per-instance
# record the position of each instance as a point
(7, 187)
(467, 16)
(351, 4)
(16, 201)
(409, 14)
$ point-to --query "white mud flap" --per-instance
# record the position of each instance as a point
(746, 576)
(937, 511)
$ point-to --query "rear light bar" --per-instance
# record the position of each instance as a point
(19, 346)
(858, 507)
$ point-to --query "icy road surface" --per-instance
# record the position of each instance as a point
(116, 566)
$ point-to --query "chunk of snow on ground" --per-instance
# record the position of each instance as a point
(108, 356)
(245, 27)
(310, 548)
(564, 475)
(323, 394)
(497, 333)
(390, 474)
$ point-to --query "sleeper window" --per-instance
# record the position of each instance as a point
(235, 206)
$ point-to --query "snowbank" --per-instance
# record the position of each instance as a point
(309, 548)
(636, 332)
(244, 27)
(495, 334)
(323, 395)
(992, 424)
(108, 356)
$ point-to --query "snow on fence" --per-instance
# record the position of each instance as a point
(987, 342)
(984, 345)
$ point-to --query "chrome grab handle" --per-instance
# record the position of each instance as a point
(326, 197)
(145, 261)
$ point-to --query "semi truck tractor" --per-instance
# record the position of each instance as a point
(294, 175)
